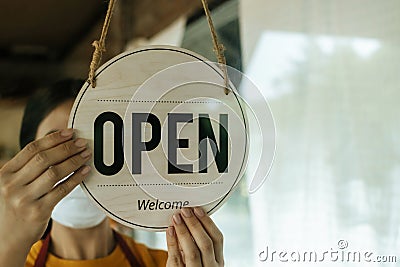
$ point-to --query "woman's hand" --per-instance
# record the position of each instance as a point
(27, 188)
(194, 240)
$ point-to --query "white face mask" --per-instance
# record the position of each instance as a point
(77, 211)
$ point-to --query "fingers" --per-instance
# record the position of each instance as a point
(29, 151)
(200, 236)
(174, 252)
(193, 257)
(41, 161)
(65, 187)
(213, 232)
(53, 175)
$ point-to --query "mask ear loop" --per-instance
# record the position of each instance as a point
(100, 46)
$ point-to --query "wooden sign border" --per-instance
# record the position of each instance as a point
(114, 60)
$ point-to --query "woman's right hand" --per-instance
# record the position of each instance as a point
(29, 189)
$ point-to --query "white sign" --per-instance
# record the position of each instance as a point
(164, 135)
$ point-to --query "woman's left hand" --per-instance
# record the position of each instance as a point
(194, 240)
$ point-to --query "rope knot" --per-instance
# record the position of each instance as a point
(100, 45)
(99, 48)
(221, 48)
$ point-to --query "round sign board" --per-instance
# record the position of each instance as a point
(164, 136)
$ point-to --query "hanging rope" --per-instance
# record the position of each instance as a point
(100, 45)
(218, 47)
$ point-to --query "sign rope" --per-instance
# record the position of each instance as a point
(100, 45)
(218, 47)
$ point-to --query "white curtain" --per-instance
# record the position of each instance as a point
(330, 71)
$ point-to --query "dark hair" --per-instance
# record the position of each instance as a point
(42, 102)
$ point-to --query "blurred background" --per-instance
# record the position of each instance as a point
(329, 70)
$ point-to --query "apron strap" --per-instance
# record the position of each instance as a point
(42, 256)
(133, 261)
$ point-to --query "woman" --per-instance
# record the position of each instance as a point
(33, 190)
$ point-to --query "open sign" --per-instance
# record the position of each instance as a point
(205, 131)
(164, 136)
